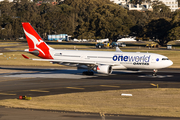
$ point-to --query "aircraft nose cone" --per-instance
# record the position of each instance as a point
(170, 63)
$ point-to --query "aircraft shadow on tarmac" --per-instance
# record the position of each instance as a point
(77, 74)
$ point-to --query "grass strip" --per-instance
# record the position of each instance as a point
(149, 102)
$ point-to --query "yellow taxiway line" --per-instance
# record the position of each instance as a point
(37, 91)
(110, 86)
(6, 94)
(75, 88)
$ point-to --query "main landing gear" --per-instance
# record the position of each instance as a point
(90, 70)
(155, 72)
(88, 73)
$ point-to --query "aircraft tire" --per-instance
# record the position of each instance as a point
(88, 73)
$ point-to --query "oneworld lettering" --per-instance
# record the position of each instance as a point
(143, 58)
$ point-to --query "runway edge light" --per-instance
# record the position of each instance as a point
(126, 94)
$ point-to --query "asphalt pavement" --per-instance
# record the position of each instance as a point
(34, 81)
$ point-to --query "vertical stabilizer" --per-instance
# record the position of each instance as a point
(35, 42)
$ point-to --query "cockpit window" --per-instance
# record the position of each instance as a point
(165, 59)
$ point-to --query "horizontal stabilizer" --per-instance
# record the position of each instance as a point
(25, 56)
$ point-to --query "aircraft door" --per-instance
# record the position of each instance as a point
(154, 60)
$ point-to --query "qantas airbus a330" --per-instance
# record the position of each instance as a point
(100, 61)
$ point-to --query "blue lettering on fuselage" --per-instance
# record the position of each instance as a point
(143, 58)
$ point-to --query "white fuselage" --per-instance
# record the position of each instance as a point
(100, 61)
(118, 60)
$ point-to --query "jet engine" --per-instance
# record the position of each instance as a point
(106, 69)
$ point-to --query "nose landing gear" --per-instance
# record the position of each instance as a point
(155, 72)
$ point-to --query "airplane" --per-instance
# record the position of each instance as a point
(94, 61)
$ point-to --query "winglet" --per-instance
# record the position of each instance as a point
(118, 49)
(25, 56)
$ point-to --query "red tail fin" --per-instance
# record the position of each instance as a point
(35, 42)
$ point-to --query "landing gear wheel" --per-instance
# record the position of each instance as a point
(155, 72)
(88, 73)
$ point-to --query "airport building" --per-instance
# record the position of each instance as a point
(59, 37)
(15, 0)
(172, 4)
(123, 2)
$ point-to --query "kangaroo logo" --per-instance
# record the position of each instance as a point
(40, 41)
(35, 41)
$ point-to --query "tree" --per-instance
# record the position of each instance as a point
(160, 7)
(89, 19)
(102, 20)
(174, 33)
(157, 30)
(139, 20)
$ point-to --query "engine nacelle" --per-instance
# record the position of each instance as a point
(106, 69)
